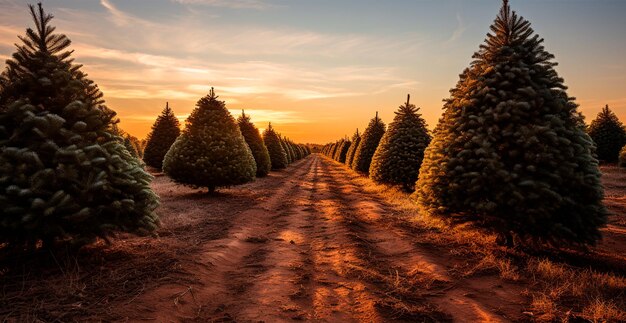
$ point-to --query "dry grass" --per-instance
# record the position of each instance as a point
(603, 311)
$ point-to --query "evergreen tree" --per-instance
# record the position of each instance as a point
(130, 142)
(343, 151)
(333, 149)
(369, 142)
(510, 152)
(608, 134)
(256, 144)
(356, 140)
(164, 132)
(286, 149)
(292, 154)
(211, 151)
(399, 155)
(64, 174)
(278, 156)
(337, 151)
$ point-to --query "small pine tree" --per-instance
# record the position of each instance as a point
(608, 134)
(128, 144)
(337, 151)
(510, 152)
(292, 153)
(64, 174)
(399, 155)
(278, 156)
(164, 132)
(343, 151)
(256, 144)
(356, 140)
(369, 142)
(286, 149)
(211, 151)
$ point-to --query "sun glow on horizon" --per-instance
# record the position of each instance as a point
(314, 82)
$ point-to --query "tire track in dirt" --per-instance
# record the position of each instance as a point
(306, 265)
(333, 294)
(486, 298)
(224, 266)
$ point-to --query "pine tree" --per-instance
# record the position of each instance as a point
(399, 155)
(343, 151)
(292, 154)
(130, 142)
(369, 142)
(510, 152)
(164, 132)
(64, 174)
(286, 149)
(608, 134)
(356, 140)
(278, 156)
(337, 151)
(257, 146)
(211, 151)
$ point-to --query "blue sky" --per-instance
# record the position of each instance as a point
(317, 69)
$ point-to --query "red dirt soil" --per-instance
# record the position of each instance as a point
(306, 243)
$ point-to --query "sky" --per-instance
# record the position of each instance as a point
(317, 69)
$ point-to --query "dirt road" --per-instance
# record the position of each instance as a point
(313, 242)
(311, 245)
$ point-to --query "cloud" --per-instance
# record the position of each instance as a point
(232, 4)
(458, 32)
(119, 17)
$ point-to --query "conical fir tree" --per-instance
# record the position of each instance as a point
(356, 140)
(369, 142)
(337, 151)
(399, 155)
(343, 151)
(211, 151)
(286, 149)
(278, 156)
(510, 151)
(608, 134)
(256, 144)
(164, 132)
(64, 175)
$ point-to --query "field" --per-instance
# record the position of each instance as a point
(317, 242)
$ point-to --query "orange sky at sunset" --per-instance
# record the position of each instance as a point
(316, 71)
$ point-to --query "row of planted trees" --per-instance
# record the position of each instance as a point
(69, 174)
(510, 152)
(215, 150)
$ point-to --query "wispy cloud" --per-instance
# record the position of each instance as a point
(458, 31)
(233, 4)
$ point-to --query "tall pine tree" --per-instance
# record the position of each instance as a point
(64, 174)
(369, 142)
(211, 151)
(510, 152)
(255, 142)
(399, 155)
(608, 134)
(164, 132)
(278, 156)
